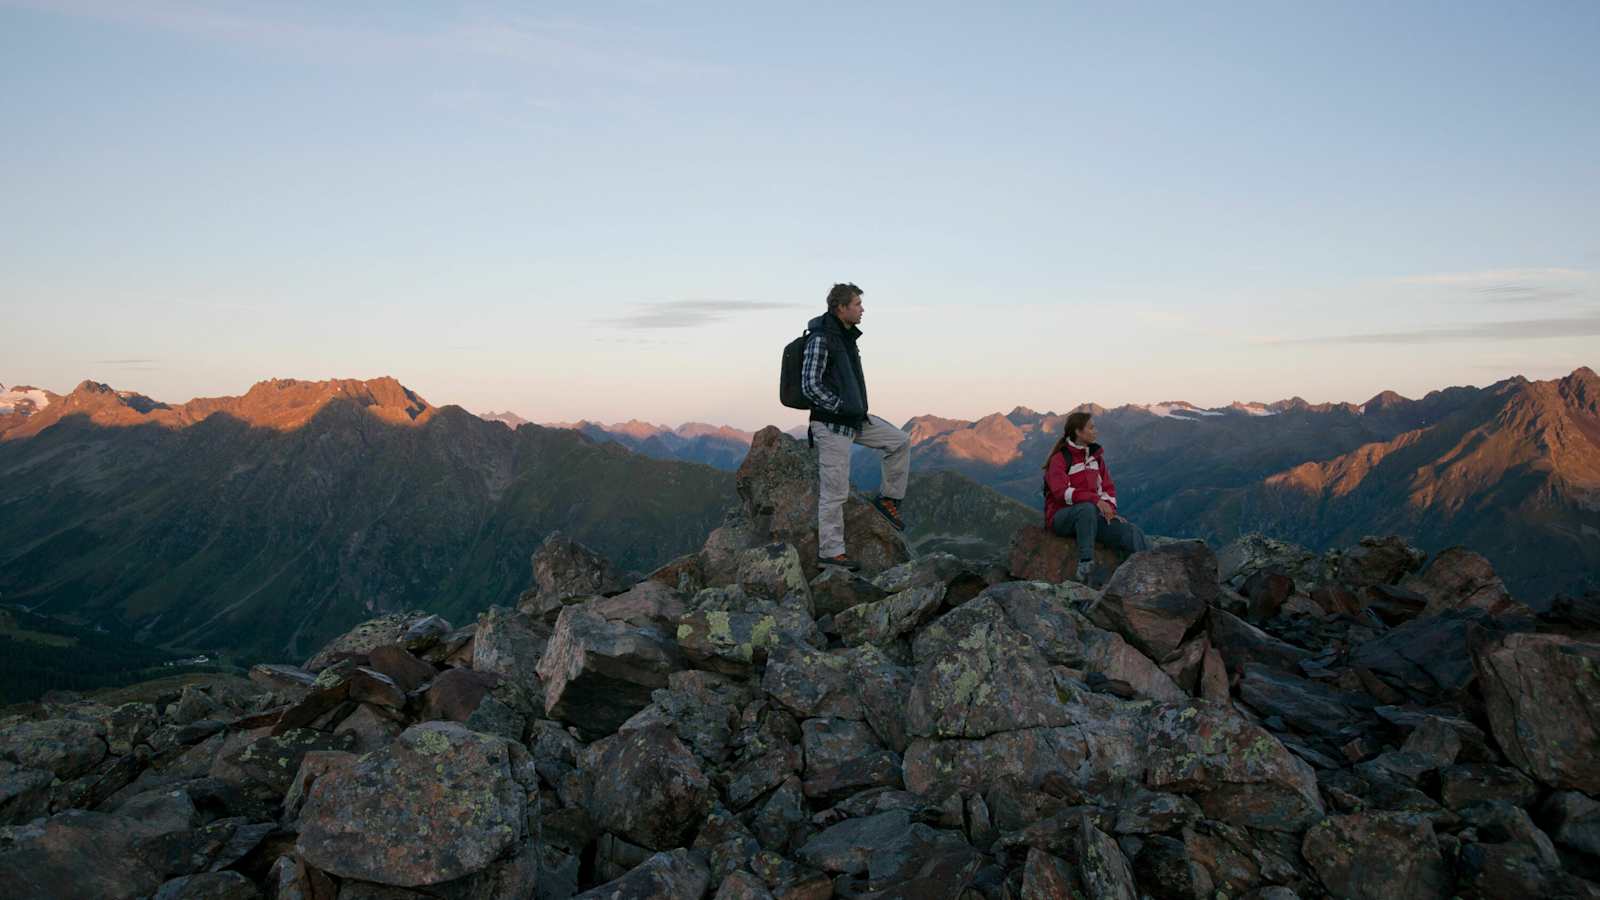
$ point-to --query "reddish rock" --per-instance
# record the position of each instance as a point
(405, 670)
(1542, 694)
(1037, 554)
(1155, 598)
(777, 484)
(1460, 579)
(455, 693)
(1378, 856)
(437, 804)
(647, 788)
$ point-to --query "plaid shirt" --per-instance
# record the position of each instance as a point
(816, 362)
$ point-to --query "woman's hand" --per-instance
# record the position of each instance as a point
(1107, 510)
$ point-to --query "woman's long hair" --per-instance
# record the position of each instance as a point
(1075, 423)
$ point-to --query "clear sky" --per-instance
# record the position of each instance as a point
(609, 210)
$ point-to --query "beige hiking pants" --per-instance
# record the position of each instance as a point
(833, 463)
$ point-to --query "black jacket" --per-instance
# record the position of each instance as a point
(843, 373)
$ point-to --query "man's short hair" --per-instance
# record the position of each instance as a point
(842, 295)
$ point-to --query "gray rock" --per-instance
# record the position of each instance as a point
(1378, 856)
(1575, 821)
(598, 673)
(65, 747)
(884, 620)
(362, 639)
(674, 875)
(209, 886)
(842, 757)
(1156, 597)
(847, 847)
(647, 788)
(1236, 771)
(511, 644)
(564, 568)
(1103, 868)
(1542, 694)
(988, 678)
(24, 793)
(835, 590)
(777, 485)
(438, 804)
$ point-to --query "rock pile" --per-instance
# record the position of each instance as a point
(739, 727)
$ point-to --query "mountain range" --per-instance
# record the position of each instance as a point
(1511, 470)
(262, 524)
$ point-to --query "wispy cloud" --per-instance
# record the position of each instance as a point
(687, 313)
(1521, 329)
(1520, 286)
(1487, 277)
(122, 362)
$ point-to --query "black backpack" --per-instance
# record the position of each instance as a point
(794, 361)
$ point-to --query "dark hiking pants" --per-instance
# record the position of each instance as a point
(1083, 521)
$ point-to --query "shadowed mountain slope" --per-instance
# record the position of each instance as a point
(264, 523)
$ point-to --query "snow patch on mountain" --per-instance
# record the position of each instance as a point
(23, 399)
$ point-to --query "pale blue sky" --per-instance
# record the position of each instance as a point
(503, 204)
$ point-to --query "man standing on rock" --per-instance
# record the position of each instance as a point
(832, 380)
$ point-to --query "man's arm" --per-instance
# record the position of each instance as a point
(816, 362)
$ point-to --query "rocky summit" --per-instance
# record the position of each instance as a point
(1264, 722)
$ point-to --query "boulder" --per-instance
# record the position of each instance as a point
(843, 757)
(1038, 554)
(1374, 561)
(1046, 877)
(1427, 659)
(1102, 867)
(835, 590)
(66, 748)
(735, 643)
(647, 788)
(1252, 553)
(1542, 695)
(1237, 771)
(1310, 707)
(24, 793)
(401, 667)
(846, 848)
(1378, 856)
(777, 485)
(1106, 653)
(1467, 784)
(884, 620)
(455, 694)
(1100, 749)
(597, 673)
(701, 708)
(82, 854)
(672, 875)
(362, 639)
(858, 683)
(988, 678)
(511, 644)
(1238, 642)
(439, 803)
(1157, 596)
(564, 568)
(646, 603)
(1460, 579)
(1574, 820)
(771, 571)
(209, 886)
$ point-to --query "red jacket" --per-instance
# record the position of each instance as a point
(1085, 480)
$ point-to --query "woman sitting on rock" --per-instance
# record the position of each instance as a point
(1080, 500)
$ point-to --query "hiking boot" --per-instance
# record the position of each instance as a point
(842, 561)
(891, 511)
(1085, 571)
